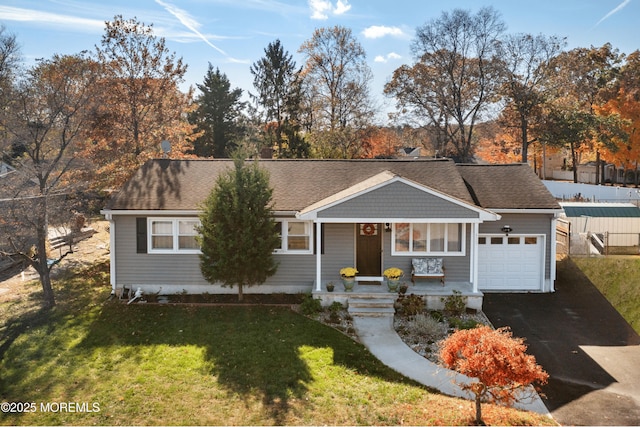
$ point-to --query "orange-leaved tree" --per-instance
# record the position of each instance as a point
(137, 104)
(496, 360)
(381, 143)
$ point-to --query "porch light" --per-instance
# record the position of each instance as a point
(387, 227)
(506, 229)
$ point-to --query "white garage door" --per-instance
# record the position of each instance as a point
(510, 263)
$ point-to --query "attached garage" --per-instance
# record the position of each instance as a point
(511, 263)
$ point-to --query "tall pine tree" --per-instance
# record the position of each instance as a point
(238, 233)
(278, 83)
(217, 116)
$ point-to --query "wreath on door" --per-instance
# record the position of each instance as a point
(368, 229)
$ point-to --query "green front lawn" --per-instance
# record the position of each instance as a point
(195, 365)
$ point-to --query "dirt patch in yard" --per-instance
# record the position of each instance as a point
(16, 282)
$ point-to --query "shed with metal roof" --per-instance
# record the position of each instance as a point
(618, 224)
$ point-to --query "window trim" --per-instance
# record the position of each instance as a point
(175, 233)
(445, 252)
(284, 237)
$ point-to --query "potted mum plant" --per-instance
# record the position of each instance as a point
(393, 276)
(348, 275)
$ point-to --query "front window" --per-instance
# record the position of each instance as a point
(173, 235)
(295, 236)
(428, 238)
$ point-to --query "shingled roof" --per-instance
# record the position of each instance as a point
(184, 184)
(512, 186)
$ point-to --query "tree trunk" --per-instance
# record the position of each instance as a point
(240, 293)
(41, 255)
(525, 140)
(45, 279)
(479, 411)
(598, 167)
(574, 160)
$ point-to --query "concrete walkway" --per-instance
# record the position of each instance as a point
(378, 335)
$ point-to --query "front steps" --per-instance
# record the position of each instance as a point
(369, 306)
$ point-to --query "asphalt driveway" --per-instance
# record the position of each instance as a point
(591, 353)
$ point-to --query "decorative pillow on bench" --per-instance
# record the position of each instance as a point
(427, 266)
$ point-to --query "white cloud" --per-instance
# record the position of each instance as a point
(320, 9)
(384, 59)
(9, 13)
(377, 31)
(341, 7)
(614, 11)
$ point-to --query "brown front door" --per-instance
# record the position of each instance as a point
(369, 249)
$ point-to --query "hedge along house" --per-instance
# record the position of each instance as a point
(492, 225)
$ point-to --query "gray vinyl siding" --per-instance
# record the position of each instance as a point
(151, 269)
(397, 200)
(184, 269)
(524, 224)
(339, 250)
(456, 267)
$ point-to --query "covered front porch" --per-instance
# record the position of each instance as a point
(359, 227)
(433, 293)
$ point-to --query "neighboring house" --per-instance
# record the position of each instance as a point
(493, 225)
(611, 228)
(412, 152)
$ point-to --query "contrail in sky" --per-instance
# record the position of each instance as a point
(192, 25)
(614, 11)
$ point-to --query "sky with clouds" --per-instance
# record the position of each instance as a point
(232, 34)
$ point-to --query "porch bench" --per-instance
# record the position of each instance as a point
(427, 268)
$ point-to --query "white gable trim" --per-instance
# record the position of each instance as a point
(108, 213)
(381, 180)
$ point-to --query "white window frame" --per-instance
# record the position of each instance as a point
(446, 251)
(174, 234)
(284, 237)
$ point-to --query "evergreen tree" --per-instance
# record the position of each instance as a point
(217, 116)
(278, 84)
(238, 233)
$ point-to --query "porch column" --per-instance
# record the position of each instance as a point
(475, 228)
(552, 237)
(318, 256)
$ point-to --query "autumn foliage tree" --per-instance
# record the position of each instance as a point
(44, 117)
(524, 60)
(138, 103)
(500, 369)
(625, 102)
(453, 82)
(337, 104)
(381, 143)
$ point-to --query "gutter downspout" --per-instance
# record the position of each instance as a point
(112, 251)
(553, 255)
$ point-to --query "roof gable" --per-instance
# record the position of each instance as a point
(387, 195)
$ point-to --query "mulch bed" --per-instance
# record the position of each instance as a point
(226, 299)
